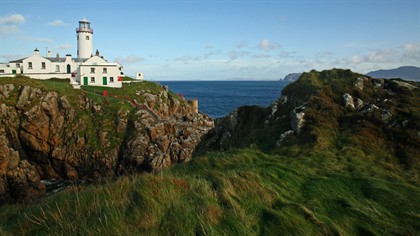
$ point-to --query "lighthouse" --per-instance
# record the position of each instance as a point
(84, 39)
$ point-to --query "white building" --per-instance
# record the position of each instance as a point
(86, 69)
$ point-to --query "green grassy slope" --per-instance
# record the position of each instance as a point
(349, 180)
(242, 192)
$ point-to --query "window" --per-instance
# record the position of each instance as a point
(87, 37)
(111, 79)
(42, 65)
(29, 65)
(92, 70)
(2, 71)
(17, 65)
(57, 68)
(92, 79)
(105, 70)
(77, 37)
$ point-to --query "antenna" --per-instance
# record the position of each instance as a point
(46, 51)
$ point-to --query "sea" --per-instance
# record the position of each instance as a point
(219, 98)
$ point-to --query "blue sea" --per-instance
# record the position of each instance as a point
(218, 98)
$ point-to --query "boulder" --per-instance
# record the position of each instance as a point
(348, 101)
(298, 118)
(5, 90)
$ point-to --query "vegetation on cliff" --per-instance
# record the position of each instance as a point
(48, 130)
(337, 154)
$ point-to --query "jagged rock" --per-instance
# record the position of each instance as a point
(283, 136)
(404, 84)
(371, 108)
(283, 99)
(5, 90)
(386, 115)
(97, 108)
(348, 101)
(359, 103)
(40, 137)
(298, 118)
(24, 182)
(26, 95)
(359, 83)
(378, 83)
(150, 99)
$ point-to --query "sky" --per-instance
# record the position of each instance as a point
(220, 40)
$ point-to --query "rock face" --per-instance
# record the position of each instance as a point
(292, 77)
(322, 110)
(46, 135)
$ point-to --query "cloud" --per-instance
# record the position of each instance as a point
(209, 46)
(57, 23)
(129, 59)
(241, 44)
(63, 47)
(38, 39)
(12, 19)
(262, 55)
(187, 59)
(8, 24)
(325, 54)
(412, 51)
(233, 55)
(9, 57)
(382, 55)
(266, 45)
(9, 29)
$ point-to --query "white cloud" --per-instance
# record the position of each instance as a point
(268, 46)
(57, 23)
(12, 19)
(129, 59)
(233, 55)
(380, 56)
(262, 55)
(8, 24)
(63, 47)
(187, 59)
(39, 40)
(9, 29)
(412, 51)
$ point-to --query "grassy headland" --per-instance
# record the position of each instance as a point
(244, 191)
(347, 173)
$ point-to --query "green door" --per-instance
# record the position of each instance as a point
(104, 80)
(14, 72)
(85, 80)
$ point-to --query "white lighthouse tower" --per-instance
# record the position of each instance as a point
(84, 39)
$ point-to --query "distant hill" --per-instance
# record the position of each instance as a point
(404, 72)
(292, 77)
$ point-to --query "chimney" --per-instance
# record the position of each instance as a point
(49, 54)
(36, 51)
(58, 55)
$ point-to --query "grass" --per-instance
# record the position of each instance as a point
(348, 181)
(242, 191)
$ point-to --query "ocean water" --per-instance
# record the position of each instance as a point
(218, 98)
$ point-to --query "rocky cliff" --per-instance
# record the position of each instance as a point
(50, 131)
(332, 111)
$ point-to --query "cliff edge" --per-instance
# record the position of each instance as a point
(333, 111)
(50, 131)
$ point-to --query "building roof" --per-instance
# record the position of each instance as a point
(18, 60)
(52, 59)
(63, 59)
